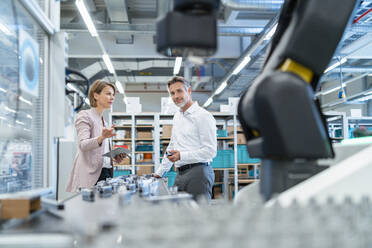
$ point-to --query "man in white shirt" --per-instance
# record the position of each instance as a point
(193, 143)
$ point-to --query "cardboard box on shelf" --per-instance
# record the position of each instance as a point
(167, 131)
(144, 134)
(125, 161)
(19, 208)
(217, 192)
(240, 139)
(123, 134)
(144, 170)
(230, 130)
(147, 160)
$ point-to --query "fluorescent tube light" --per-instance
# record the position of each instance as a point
(367, 93)
(242, 64)
(177, 65)
(108, 63)
(87, 101)
(338, 63)
(20, 123)
(271, 32)
(25, 101)
(364, 98)
(208, 102)
(10, 110)
(86, 17)
(2, 90)
(4, 29)
(72, 87)
(221, 88)
(29, 116)
(119, 86)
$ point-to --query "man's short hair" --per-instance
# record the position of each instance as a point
(179, 79)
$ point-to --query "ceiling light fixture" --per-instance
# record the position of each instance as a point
(208, 102)
(25, 101)
(108, 63)
(221, 88)
(119, 86)
(4, 29)
(242, 64)
(177, 65)
(271, 32)
(86, 17)
(337, 64)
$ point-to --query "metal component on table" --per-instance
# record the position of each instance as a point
(173, 190)
(154, 188)
(115, 187)
(105, 191)
(52, 204)
(88, 195)
(131, 187)
(124, 196)
(173, 198)
(101, 183)
(143, 189)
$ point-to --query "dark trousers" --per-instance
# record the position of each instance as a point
(198, 180)
(105, 173)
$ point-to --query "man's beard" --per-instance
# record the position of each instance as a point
(182, 104)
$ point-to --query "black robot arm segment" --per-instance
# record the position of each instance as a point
(312, 35)
(190, 29)
(281, 121)
(283, 22)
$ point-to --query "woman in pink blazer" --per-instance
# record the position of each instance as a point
(93, 139)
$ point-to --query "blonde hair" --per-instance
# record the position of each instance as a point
(97, 87)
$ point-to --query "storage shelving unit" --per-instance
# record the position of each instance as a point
(156, 122)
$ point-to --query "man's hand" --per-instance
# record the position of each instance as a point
(156, 175)
(118, 158)
(175, 155)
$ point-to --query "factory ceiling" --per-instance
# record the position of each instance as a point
(128, 28)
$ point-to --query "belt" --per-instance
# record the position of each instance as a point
(189, 166)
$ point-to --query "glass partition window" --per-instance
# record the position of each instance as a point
(21, 99)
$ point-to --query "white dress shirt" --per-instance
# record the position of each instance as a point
(194, 136)
(106, 160)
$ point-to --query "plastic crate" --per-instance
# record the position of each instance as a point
(144, 148)
(243, 156)
(221, 133)
(171, 175)
(223, 159)
(121, 172)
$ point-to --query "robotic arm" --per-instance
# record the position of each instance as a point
(280, 118)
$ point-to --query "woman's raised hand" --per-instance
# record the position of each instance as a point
(106, 133)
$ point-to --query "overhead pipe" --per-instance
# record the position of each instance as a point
(149, 29)
(255, 46)
(258, 5)
(352, 70)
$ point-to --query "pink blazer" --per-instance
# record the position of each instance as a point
(88, 161)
